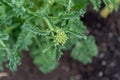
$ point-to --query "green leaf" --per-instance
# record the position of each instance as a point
(76, 28)
(85, 50)
(2, 59)
(115, 4)
(12, 57)
(4, 36)
(96, 4)
(46, 56)
(59, 52)
(35, 30)
(46, 61)
(80, 4)
(2, 11)
(14, 60)
(24, 40)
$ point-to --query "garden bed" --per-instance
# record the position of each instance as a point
(106, 66)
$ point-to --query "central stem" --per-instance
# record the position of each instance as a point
(49, 22)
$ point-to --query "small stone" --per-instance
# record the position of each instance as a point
(110, 35)
(65, 68)
(101, 55)
(117, 76)
(78, 77)
(119, 38)
(100, 74)
(112, 64)
(103, 63)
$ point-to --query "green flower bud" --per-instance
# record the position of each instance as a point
(60, 38)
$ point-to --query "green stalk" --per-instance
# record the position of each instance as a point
(2, 43)
(8, 29)
(49, 22)
(40, 48)
(69, 6)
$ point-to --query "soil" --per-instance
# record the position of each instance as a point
(106, 66)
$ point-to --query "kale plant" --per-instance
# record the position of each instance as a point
(45, 28)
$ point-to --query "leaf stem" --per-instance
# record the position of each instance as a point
(2, 43)
(40, 48)
(49, 22)
(69, 6)
(8, 29)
